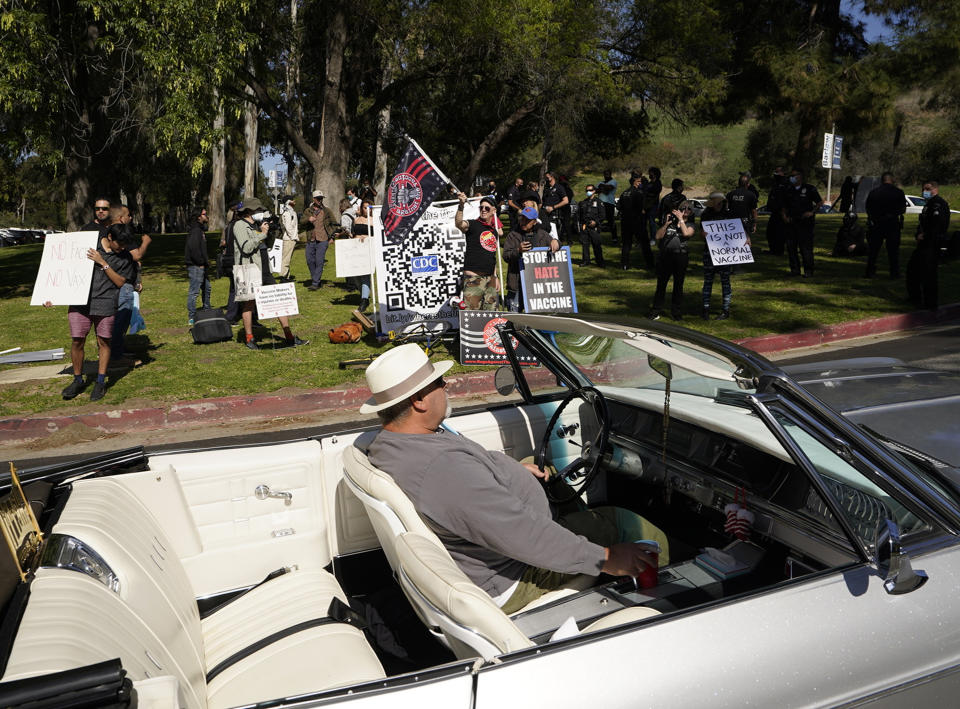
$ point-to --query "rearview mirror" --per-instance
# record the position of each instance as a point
(892, 562)
(660, 366)
(504, 380)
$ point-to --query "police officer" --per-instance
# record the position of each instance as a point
(775, 201)
(885, 205)
(630, 206)
(589, 215)
(554, 200)
(802, 203)
(742, 203)
(932, 229)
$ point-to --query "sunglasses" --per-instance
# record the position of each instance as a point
(102, 209)
(486, 209)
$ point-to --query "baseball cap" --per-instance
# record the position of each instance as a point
(318, 193)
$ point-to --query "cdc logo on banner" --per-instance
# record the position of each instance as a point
(425, 265)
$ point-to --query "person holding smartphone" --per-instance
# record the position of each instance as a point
(528, 234)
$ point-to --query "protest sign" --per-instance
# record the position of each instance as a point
(276, 255)
(546, 278)
(65, 271)
(727, 242)
(354, 257)
(480, 341)
(276, 301)
(418, 277)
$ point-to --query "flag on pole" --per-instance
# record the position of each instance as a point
(415, 184)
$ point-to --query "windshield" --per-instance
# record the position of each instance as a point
(625, 362)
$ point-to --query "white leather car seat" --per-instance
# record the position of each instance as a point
(152, 621)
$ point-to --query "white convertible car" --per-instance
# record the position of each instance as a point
(811, 565)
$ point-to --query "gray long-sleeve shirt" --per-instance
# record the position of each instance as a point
(490, 512)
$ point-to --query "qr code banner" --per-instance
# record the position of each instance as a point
(418, 278)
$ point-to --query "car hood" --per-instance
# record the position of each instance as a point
(919, 408)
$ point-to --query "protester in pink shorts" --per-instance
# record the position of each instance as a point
(114, 267)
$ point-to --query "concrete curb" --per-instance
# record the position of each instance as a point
(267, 406)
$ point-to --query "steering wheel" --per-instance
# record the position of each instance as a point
(591, 452)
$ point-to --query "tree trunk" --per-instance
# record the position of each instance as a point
(494, 139)
(333, 151)
(807, 151)
(380, 168)
(216, 200)
(78, 192)
(250, 148)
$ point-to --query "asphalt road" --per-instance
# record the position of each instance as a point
(931, 348)
(934, 348)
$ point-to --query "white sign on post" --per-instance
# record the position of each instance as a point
(277, 300)
(276, 255)
(65, 271)
(827, 160)
(354, 257)
(727, 242)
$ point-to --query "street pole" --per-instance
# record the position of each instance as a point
(833, 135)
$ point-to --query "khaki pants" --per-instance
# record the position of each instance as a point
(601, 525)
(288, 246)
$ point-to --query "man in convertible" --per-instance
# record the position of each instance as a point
(490, 512)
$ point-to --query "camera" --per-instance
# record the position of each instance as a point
(273, 227)
(672, 219)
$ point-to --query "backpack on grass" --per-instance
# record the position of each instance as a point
(210, 325)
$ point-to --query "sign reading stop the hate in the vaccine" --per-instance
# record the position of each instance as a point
(547, 280)
(727, 242)
(65, 271)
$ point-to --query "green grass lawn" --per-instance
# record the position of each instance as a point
(765, 300)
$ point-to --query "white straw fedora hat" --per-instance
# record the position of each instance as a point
(399, 373)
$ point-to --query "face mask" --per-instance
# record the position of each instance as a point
(794, 179)
(927, 194)
(589, 193)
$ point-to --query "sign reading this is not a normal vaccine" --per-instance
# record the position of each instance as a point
(727, 242)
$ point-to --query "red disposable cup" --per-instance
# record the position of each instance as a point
(648, 577)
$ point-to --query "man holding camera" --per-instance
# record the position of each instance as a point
(249, 232)
(323, 225)
(672, 239)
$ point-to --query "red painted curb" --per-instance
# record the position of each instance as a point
(267, 406)
(849, 330)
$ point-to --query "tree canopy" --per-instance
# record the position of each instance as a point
(122, 97)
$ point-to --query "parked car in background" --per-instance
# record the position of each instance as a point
(699, 204)
(915, 204)
(15, 236)
(221, 577)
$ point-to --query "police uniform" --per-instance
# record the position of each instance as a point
(742, 203)
(591, 210)
(630, 206)
(885, 205)
(801, 199)
(552, 196)
(775, 225)
(922, 268)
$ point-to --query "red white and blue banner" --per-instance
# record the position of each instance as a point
(416, 183)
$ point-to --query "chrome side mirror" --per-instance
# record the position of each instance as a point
(504, 380)
(892, 562)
